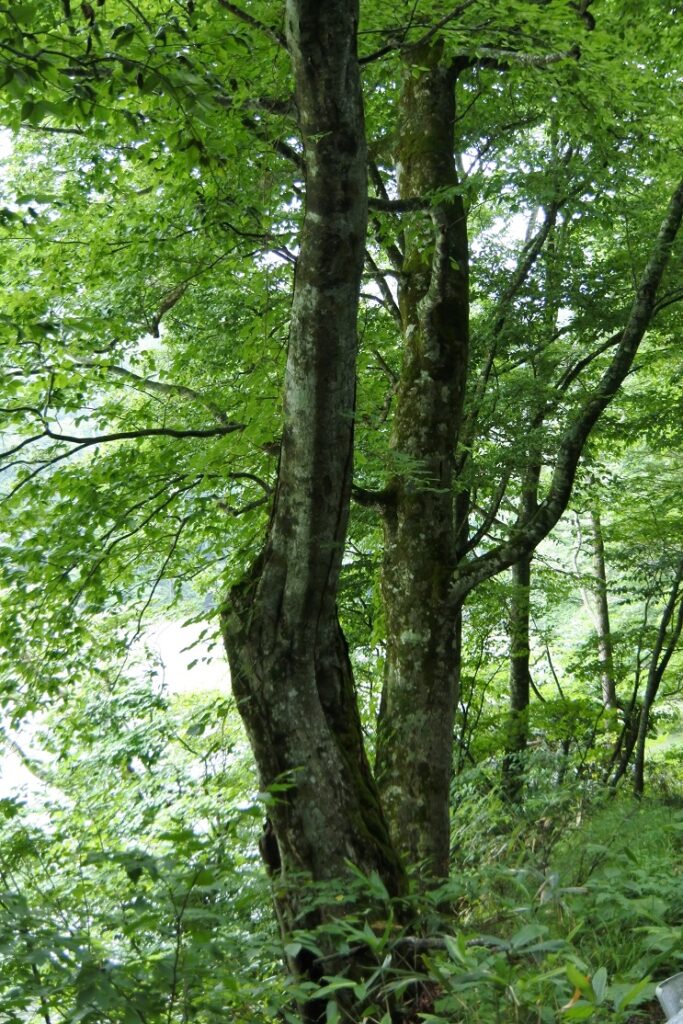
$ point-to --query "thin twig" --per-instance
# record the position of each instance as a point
(176, 537)
(401, 45)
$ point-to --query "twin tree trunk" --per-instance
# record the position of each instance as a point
(291, 673)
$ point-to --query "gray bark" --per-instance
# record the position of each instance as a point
(289, 662)
(290, 667)
(425, 574)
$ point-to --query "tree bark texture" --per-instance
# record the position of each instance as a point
(290, 668)
(415, 733)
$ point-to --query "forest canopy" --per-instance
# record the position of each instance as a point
(345, 337)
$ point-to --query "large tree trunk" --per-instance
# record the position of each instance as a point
(415, 737)
(289, 662)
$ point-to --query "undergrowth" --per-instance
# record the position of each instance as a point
(568, 909)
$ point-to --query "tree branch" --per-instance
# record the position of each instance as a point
(530, 532)
(22, 444)
(661, 660)
(81, 443)
(530, 253)
(168, 301)
(398, 205)
(128, 534)
(570, 375)
(182, 523)
(380, 280)
(400, 45)
(490, 57)
(378, 500)
(392, 250)
(529, 256)
(669, 299)
(265, 487)
(131, 435)
(253, 22)
(159, 387)
(490, 517)
(242, 509)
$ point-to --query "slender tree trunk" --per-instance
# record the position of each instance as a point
(517, 731)
(661, 655)
(290, 668)
(598, 605)
(415, 734)
(623, 748)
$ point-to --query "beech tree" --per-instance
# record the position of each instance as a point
(224, 182)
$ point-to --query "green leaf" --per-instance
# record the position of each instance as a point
(632, 996)
(456, 947)
(579, 980)
(334, 985)
(527, 934)
(377, 887)
(599, 983)
(332, 1012)
(580, 1011)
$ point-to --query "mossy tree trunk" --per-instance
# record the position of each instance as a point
(430, 564)
(415, 738)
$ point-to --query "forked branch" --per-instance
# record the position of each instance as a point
(531, 531)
